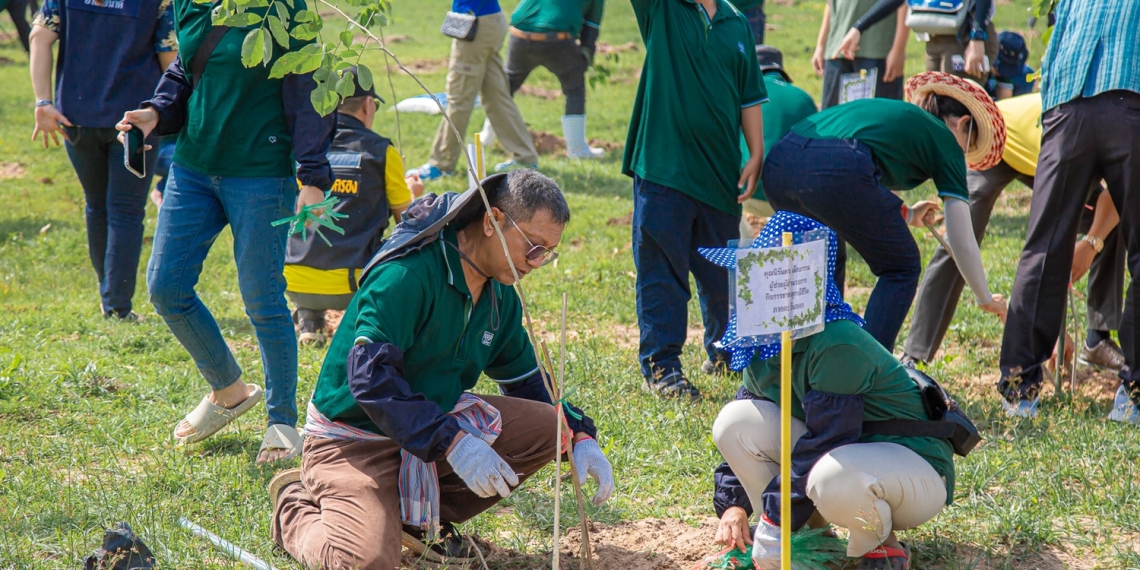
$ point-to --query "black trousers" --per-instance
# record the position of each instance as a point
(1084, 140)
(563, 58)
(942, 283)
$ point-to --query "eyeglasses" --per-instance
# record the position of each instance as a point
(536, 252)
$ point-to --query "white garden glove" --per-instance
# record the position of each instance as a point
(589, 459)
(766, 545)
(481, 468)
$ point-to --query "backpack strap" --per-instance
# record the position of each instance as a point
(202, 55)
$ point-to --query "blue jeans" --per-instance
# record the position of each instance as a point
(194, 211)
(116, 206)
(165, 154)
(836, 182)
(757, 21)
(668, 227)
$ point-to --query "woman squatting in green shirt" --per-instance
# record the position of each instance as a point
(840, 165)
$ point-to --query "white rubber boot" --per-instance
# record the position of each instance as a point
(487, 135)
(574, 131)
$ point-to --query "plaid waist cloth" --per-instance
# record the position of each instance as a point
(419, 481)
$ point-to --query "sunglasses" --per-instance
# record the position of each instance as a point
(536, 252)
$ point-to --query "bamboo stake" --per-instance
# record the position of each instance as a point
(786, 442)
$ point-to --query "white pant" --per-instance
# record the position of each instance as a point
(868, 488)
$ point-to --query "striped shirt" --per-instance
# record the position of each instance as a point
(1095, 48)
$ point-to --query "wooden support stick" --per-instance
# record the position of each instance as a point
(786, 442)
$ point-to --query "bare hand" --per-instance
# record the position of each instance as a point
(749, 178)
(896, 64)
(996, 306)
(48, 119)
(975, 58)
(415, 184)
(1083, 255)
(817, 60)
(922, 213)
(308, 196)
(849, 45)
(733, 529)
(143, 119)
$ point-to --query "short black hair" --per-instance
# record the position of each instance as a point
(521, 195)
(351, 104)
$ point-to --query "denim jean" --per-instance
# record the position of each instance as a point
(165, 154)
(116, 206)
(757, 21)
(194, 211)
(836, 182)
(668, 227)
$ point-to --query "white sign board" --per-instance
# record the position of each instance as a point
(858, 85)
(781, 289)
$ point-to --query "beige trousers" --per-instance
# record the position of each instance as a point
(868, 488)
(476, 68)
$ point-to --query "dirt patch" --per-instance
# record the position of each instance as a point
(47, 181)
(548, 143)
(9, 170)
(622, 221)
(541, 93)
(5, 61)
(628, 336)
(609, 146)
(605, 48)
(427, 65)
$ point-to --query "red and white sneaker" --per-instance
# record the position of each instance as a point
(887, 558)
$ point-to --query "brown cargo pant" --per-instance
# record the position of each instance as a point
(347, 513)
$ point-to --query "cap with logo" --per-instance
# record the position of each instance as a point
(1012, 54)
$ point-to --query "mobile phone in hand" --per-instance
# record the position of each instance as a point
(134, 152)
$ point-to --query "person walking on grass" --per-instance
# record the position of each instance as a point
(1090, 97)
(239, 133)
(840, 166)
(872, 485)
(882, 50)
(111, 56)
(700, 88)
(543, 32)
(369, 181)
(398, 451)
(476, 68)
(1102, 247)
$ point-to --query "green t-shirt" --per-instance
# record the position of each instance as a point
(746, 5)
(909, 145)
(875, 43)
(235, 121)
(786, 106)
(697, 76)
(845, 359)
(420, 303)
(544, 16)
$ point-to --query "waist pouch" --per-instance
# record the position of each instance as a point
(459, 26)
(947, 421)
(937, 17)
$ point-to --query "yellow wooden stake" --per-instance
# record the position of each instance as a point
(786, 442)
(480, 168)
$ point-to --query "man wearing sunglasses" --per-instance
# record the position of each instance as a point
(397, 448)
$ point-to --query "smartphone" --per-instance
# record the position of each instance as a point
(134, 153)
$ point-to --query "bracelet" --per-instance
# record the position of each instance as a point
(1095, 242)
(43, 102)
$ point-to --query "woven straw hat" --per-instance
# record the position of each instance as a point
(986, 152)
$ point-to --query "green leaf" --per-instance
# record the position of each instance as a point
(289, 2)
(278, 30)
(308, 64)
(242, 20)
(364, 76)
(266, 47)
(282, 13)
(307, 31)
(344, 85)
(286, 64)
(342, 65)
(324, 99)
(251, 52)
(310, 49)
(346, 38)
(303, 16)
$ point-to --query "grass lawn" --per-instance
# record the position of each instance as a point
(87, 406)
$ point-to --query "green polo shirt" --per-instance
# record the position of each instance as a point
(545, 16)
(697, 76)
(909, 145)
(421, 304)
(786, 106)
(746, 5)
(845, 359)
(235, 122)
(875, 43)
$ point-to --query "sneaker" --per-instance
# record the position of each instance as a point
(448, 547)
(673, 385)
(719, 368)
(312, 333)
(511, 165)
(1022, 409)
(130, 317)
(427, 173)
(887, 558)
(1124, 409)
(1106, 354)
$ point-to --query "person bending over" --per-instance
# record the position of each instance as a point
(397, 445)
(840, 165)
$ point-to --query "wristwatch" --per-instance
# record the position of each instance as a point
(42, 102)
(979, 35)
(1095, 242)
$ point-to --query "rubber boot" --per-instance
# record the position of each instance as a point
(487, 135)
(574, 130)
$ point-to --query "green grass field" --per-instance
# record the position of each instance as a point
(87, 406)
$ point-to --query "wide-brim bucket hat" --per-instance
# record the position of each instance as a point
(987, 150)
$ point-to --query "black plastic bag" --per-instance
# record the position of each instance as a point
(121, 550)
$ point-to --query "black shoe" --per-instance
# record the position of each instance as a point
(673, 385)
(448, 547)
(128, 317)
(312, 333)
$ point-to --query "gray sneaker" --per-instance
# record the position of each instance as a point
(1124, 409)
(673, 385)
(1106, 354)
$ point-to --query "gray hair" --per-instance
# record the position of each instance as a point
(528, 191)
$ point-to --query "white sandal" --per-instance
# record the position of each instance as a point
(281, 436)
(209, 417)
